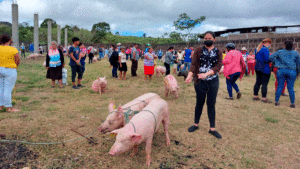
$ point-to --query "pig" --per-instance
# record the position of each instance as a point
(171, 86)
(160, 70)
(94, 59)
(99, 85)
(35, 56)
(141, 128)
(183, 73)
(116, 118)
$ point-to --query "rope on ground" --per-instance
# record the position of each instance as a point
(30, 143)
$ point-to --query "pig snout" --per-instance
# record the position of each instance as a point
(103, 129)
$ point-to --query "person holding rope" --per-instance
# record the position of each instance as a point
(206, 63)
(9, 61)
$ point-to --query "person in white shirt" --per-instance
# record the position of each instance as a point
(123, 65)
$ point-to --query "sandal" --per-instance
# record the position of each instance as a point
(52, 86)
(11, 110)
(239, 95)
(266, 101)
(256, 98)
(62, 87)
(229, 98)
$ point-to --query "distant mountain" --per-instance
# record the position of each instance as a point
(5, 23)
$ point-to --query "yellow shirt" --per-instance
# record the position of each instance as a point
(7, 56)
(224, 55)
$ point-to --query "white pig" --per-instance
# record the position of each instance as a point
(95, 59)
(99, 85)
(160, 70)
(116, 118)
(141, 129)
(171, 86)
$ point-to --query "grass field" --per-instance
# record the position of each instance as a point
(255, 135)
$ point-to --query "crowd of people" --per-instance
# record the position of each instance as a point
(203, 65)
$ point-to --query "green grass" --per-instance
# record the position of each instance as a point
(23, 98)
(272, 120)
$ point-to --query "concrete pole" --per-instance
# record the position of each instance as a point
(15, 25)
(49, 34)
(36, 33)
(66, 37)
(58, 34)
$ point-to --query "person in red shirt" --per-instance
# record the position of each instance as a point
(251, 63)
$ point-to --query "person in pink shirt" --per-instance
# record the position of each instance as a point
(251, 63)
(234, 67)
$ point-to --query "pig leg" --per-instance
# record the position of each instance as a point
(134, 150)
(148, 151)
(166, 122)
(166, 90)
(104, 90)
(99, 88)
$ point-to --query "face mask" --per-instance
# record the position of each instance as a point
(208, 43)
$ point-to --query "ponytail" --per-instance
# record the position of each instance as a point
(259, 47)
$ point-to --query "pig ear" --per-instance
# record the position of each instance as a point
(98, 77)
(114, 132)
(178, 87)
(120, 109)
(104, 77)
(135, 137)
(111, 106)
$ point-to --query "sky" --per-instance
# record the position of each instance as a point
(155, 17)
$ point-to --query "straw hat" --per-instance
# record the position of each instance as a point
(243, 48)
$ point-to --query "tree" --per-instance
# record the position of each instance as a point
(185, 23)
(175, 35)
(144, 35)
(45, 23)
(117, 33)
(100, 30)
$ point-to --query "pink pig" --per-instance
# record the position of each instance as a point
(99, 85)
(171, 85)
(160, 70)
(95, 59)
(141, 129)
(116, 118)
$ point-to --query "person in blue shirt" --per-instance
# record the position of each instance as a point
(188, 58)
(287, 63)
(119, 47)
(101, 52)
(23, 50)
(31, 48)
(160, 54)
(262, 69)
(74, 52)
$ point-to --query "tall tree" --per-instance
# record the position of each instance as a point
(45, 23)
(99, 31)
(117, 33)
(185, 23)
(144, 35)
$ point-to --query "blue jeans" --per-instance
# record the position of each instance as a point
(187, 66)
(290, 77)
(8, 78)
(231, 83)
(114, 72)
(101, 55)
(178, 66)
